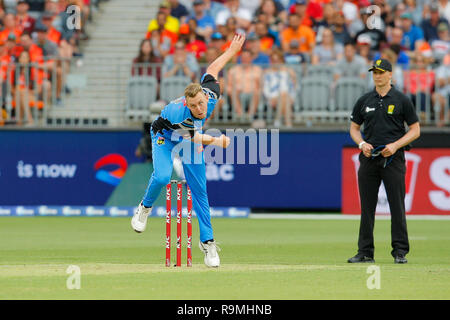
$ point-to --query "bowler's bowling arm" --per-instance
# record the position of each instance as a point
(220, 62)
(205, 139)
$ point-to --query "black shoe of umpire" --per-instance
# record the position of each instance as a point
(400, 258)
(359, 258)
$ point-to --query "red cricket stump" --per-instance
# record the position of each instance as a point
(189, 226)
(168, 220)
(179, 218)
(179, 221)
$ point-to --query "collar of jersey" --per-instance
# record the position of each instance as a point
(389, 93)
(193, 117)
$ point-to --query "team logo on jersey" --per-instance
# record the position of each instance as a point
(368, 109)
(391, 109)
(160, 141)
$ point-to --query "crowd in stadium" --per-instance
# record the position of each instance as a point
(36, 46)
(350, 35)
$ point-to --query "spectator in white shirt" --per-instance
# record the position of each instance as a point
(444, 9)
(279, 88)
(233, 9)
(440, 47)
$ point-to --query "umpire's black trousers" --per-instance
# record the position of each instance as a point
(370, 174)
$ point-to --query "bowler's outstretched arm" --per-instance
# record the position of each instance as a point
(217, 65)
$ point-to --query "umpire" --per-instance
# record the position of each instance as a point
(383, 112)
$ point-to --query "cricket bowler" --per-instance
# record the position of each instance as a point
(181, 122)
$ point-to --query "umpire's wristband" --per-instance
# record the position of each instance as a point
(361, 144)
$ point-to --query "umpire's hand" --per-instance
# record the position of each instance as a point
(367, 149)
(389, 150)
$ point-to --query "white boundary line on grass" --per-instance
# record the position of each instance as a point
(319, 216)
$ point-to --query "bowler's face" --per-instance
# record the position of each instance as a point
(198, 105)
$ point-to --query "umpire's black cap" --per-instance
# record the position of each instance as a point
(382, 65)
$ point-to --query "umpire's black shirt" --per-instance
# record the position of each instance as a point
(384, 117)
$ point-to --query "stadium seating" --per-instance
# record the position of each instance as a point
(314, 96)
(173, 87)
(101, 89)
(140, 95)
(346, 92)
(320, 71)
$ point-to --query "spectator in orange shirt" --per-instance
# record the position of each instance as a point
(36, 54)
(228, 31)
(161, 24)
(65, 40)
(49, 48)
(10, 27)
(418, 82)
(13, 50)
(161, 43)
(23, 20)
(22, 79)
(295, 31)
(266, 40)
(217, 41)
(52, 66)
(169, 23)
(52, 34)
(5, 61)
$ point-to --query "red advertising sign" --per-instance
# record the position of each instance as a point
(427, 182)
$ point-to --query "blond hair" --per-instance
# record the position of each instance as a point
(192, 90)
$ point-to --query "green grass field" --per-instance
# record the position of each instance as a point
(261, 259)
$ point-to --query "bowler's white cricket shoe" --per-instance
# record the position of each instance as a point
(210, 248)
(139, 220)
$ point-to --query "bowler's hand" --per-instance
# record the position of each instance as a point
(367, 149)
(237, 43)
(223, 141)
(389, 150)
